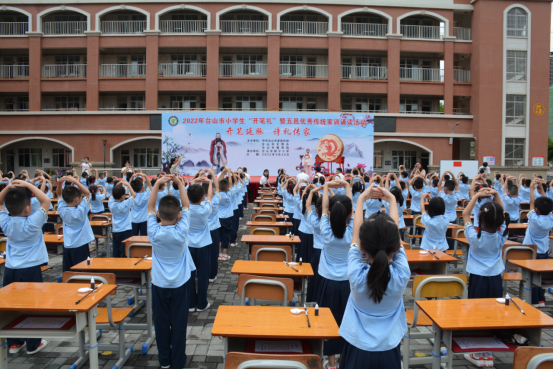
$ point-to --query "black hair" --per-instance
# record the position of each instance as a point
(396, 191)
(118, 192)
(377, 180)
(109, 180)
(464, 179)
(404, 174)
(449, 185)
(290, 187)
(379, 237)
(338, 170)
(357, 187)
(489, 182)
(169, 207)
(315, 179)
(340, 207)
(544, 186)
(195, 193)
(173, 160)
(318, 169)
(355, 172)
(497, 175)
(512, 190)
(481, 171)
(402, 185)
(266, 170)
(492, 216)
(245, 170)
(70, 193)
(435, 182)
(527, 182)
(319, 207)
(543, 205)
(223, 185)
(418, 183)
(16, 200)
(304, 197)
(446, 177)
(93, 189)
(206, 187)
(322, 180)
(84, 175)
(175, 186)
(129, 175)
(137, 185)
(436, 206)
(90, 180)
(485, 164)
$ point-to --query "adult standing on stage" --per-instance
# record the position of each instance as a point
(307, 161)
(218, 153)
(175, 162)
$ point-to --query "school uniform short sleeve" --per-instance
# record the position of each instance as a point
(50, 196)
(83, 181)
(315, 222)
(76, 227)
(172, 264)
(198, 234)
(35, 205)
(434, 192)
(464, 190)
(354, 199)
(97, 206)
(435, 232)
(484, 257)
(176, 193)
(372, 206)
(160, 195)
(512, 205)
(524, 192)
(399, 212)
(333, 264)
(109, 189)
(139, 212)
(549, 193)
(25, 247)
(367, 325)
(476, 210)
(213, 219)
(289, 202)
(538, 230)
(305, 226)
(339, 191)
(224, 210)
(121, 214)
(102, 181)
(415, 199)
(498, 187)
(297, 209)
(451, 205)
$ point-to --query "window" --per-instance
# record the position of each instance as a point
(68, 59)
(408, 106)
(227, 102)
(125, 156)
(408, 68)
(61, 157)
(514, 152)
(407, 158)
(137, 102)
(311, 103)
(249, 102)
(517, 23)
(516, 65)
(291, 65)
(249, 64)
(30, 158)
(66, 102)
(146, 158)
(291, 103)
(8, 104)
(377, 159)
(515, 109)
(366, 104)
(183, 102)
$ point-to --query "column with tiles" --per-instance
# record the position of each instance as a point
(92, 69)
(334, 69)
(152, 62)
(273, 79)
(35, 70)
(212, 70)
(448, 74)
(393, 72)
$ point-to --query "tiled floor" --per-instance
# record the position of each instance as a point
(203, 350)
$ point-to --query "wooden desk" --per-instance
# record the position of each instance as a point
(278, 210)
(429, 263)
(465, 248)
(281, 217)
(238, 323)
(270, 240)
(54, 239)
(128, 274)
(534, 274)
(143, 250)
(54, 217)
(282, 225)
(451, 228)
(264, 201)
(2, 268)
(469, 317)
(275, 269)
(517, 228)
(51, 299)
(102, 229)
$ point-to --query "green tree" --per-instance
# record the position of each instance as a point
(549, 150)
(170, 149)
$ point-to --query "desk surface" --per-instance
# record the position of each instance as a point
(273, 322)
(450, 226)
(100, 223)
(269, 224)
(53, 238)
(517, 226)
(52, 212)
(507, 243)
(477, 314)
(137, 239)
(247, 238)
(413, 256)
(50, 297)
(538, 265)
(265, 201)
(271, 268)
(113, 264)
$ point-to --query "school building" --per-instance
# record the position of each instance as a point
(446, 79)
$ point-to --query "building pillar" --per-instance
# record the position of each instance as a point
(448, 75)
(394, 91)
(152, 67)
(273, 76)
(212, 70)
(35, 70)
(334, 71)
(92, 69)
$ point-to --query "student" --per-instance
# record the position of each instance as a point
(171, 269)
(73, 208)
(199, 240)
(235, 200)
(498, 183)
(305, 230)
(109, 186)
(102, 178)
(475, 188)
(25, 247)
(84, 179)
(464, 187)
(484, 263)
(264, 181)
(293, 214)
(356, 190)
(450, 195)
(163, 191)
(525, 189)
(96, 199)
(540, 222)
(214, 226)
(334, 289)
(121, 217)
(139, 210)
(435, 223)
(434, 189)
(314, 217)
(416, 191)
(400, 203)
(374, 320)
(224, 212)
(339, 174)
(511, 200)
(373, 205)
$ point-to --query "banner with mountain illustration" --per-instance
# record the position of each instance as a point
(262, 140)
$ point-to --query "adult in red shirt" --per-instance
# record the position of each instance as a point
(218, 153)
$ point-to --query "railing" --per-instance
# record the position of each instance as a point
(183, 26)
(13, 28)
(364, 72)
(4, 109)
(182, 70)
(430, 32)
(365, 111)
(462, 33)
(304, 28)
(421, 74)
(123, 27)
(242, 70)
(64, 28)
(113, 108)
(243, 109)
(181, 109)
(364, 29)
(461, 75)
(122, 70)
(249, 27)
(14, 71)
(420, 112)
(64, 71)
(303, 71)
(304, 110)
(461, 111)
(63, 109)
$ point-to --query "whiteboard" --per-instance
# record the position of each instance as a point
(468, 167)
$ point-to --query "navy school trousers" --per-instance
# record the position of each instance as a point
(201, 259)
(73, 256)
(214, 253)
(225, 231)
(140, 228)
(118, 245)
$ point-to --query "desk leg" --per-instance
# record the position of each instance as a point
(303, 295)
(465, 249)
(436, 359)
(527, 288)
(149, 316)
(92, 343)
(108, 243)
(3, 353)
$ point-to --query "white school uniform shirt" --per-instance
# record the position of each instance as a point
(484, 257)
(301, 176)
(435, 232)
(263, 180)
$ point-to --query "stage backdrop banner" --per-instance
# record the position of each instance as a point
(264, 140)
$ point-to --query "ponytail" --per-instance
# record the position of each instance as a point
(319, 206)
(340, 207)
(379, 237)
(493, 216)
(93, 189)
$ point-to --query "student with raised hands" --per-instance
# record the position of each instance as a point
(139, 210)
(120, 208)
(214, 225)
(372, 206)
(225, 212)
(305, 230)
(314, 206)
(435, 222)
(374, 321)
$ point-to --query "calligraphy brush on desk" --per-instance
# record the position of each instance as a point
(306, 315)
(144, 257)
(291, 267)
(518, 307)
(89, 292)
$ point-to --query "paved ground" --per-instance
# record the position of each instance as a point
(203, 350)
